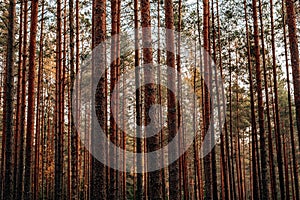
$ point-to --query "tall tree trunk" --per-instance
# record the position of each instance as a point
(18, 109)
(119, 131)
(123, 141)
(225, 192)
(295, 164)
(31, 98)
(23, 108)
(270, 141)
(184, 167)
(63, 93)
(237, 137)
(230, 158)
(197, 170)
(38, 117)
(278, 136)
(78, 93)
(254, 179)
(155, 189)
(113, 98)
(271, 165)
(99, 187)
(213, 151)
(43, 139)
(58, 104)
(277, 129)
(197, 162)
(74, 137)
(174, 188)
(294, 50)
(9, 86)
(3, 138)
(263, 154)
(208, 158)
(138, 102)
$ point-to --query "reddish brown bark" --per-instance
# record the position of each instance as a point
(294, 50)
(260, 103)
(8, 113)
(293, 146)
(212, 123)
(73, 136)
(152, 143)
(139, 184)
(38, 117)
(99, 187)
(224, 182)
(254, 179)
(208, 158)
(58, 109)
(31, 98)
(18, 109)
(23, 107)
(113, 99)
(172, 125)
(230, 158)
(198, 163)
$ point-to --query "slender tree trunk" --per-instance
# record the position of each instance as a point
(62, 94)
(78, 93)
(59, 119)
(113, 97)
(286, 169)
(31, 98)
(123, 141)
(155, 189)
(8, 117)
(179, 117)
(197, 162)
(263, 154)
(208, 158)
(196, 152)
(159, 96)
(271, 165)
(74, 137)
(294, 50)
(118, 118)
(254, 185)
(138, 108)
(293, 146)
(213, 151)
(231, 159)
(225, 192)
(38, 121)
(18, 109)
(237, 137)
(292, 178)
(270, 142)
(3, 139)
(99, 187)
(172, 126)
(20, 180)
(43, 139)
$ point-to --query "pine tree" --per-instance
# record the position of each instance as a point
(31, 98)
(98, 169)
(294, 50)
(8, 117)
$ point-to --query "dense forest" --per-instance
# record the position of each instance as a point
(149, 99)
